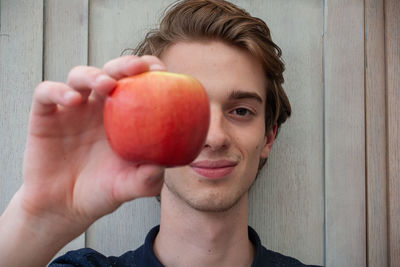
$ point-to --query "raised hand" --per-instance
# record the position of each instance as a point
(71, 176)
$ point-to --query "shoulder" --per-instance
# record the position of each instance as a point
(275, 259)
(87, 257)
(265, 257)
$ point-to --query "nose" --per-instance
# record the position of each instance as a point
(217, 137)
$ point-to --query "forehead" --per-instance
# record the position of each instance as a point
(221, 68)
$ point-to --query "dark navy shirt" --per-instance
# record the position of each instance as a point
(144, 256)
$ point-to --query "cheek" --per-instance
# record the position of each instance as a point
(251, 141)
(176, 175)
(172, 173)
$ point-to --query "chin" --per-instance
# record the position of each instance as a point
(214, 206)
(208, 201)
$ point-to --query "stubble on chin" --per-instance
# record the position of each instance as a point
(217, 202)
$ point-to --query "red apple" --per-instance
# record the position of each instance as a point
(157, 117)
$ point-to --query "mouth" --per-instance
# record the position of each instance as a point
(213, 169)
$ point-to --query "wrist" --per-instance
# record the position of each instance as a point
(26, 239)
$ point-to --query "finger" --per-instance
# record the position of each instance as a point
(131, 65)
(86, 79)
(48, 95)
(154, 63)
(147, 181)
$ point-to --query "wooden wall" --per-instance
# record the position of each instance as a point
(330, 193)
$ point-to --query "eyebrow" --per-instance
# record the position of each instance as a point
(237, 94)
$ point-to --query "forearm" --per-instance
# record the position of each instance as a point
(26, 240)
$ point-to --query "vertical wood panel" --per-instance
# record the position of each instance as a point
(20, 71)
(65, 46)
(375, 111)
(392, 40)
(286, 204)
(344, 134)
(66, 37)
(114, 26)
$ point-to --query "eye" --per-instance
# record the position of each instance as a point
(242, 112)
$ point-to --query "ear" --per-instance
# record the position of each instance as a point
(268, 142)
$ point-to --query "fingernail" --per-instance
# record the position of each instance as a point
(156, 67)
(102, 78)
(70, 95)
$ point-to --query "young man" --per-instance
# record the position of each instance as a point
(72, 178)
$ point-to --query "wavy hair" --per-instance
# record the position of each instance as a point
(191, 20)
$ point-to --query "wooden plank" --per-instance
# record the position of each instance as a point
(286, 204)
(376, 154)
(345, 134)
(65, 46)
(115, 26)
(66, 37)
(20, 71)
(392, 40)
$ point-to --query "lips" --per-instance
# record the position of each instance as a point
(213, 169)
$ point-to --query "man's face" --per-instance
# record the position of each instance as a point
(226, 167)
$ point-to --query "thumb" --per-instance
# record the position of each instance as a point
(142, 181)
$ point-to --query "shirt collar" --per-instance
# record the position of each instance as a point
(150, 259)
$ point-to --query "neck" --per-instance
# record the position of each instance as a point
(189, 237)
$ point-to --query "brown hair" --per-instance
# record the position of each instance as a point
(190, 20)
